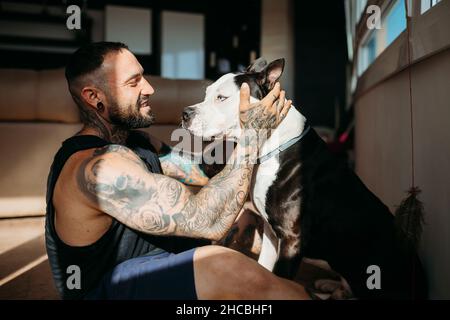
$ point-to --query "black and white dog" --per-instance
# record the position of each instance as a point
(313, 204)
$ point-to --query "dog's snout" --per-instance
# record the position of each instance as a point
(188, 112)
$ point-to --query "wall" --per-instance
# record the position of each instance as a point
(320, 61)
(383, 153)
(277, 38)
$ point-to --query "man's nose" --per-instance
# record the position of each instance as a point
(147, 89)
(188, 112)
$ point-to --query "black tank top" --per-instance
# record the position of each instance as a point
(118, 244)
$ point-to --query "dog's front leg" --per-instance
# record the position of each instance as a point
(270, 248)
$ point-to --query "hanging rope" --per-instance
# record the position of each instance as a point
(409, 215)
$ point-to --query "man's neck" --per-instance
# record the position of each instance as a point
(98, 126)
(109, 133)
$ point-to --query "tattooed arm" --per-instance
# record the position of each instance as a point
(181, 168)
(117, 182)
(175, 165)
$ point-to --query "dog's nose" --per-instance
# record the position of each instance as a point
(187, 113)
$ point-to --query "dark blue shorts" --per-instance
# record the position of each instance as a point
(165, 276)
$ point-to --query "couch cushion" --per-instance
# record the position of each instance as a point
(29, 95)
(171, 96)
(18, 92)
(27, 153)
(54, 101)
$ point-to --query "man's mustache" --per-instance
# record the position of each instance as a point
(143, 99)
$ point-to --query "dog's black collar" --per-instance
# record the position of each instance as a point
(284, 146)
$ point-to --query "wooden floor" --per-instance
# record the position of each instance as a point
(25, 272)
(24, 269)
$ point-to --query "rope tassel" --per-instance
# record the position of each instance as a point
(409, 218)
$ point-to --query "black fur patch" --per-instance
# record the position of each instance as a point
(256, 91)
(340, 221)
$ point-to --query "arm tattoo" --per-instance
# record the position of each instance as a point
(183, 169)
(255, 118)
(117, 181)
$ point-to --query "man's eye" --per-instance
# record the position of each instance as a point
(221, 98)
(135, 82)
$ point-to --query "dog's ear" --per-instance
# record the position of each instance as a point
(273, 72)
(257, 66)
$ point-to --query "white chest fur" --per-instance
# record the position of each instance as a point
(265, 176)
(290, 128)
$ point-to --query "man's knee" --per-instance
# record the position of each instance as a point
(217, 260)
(225, 273)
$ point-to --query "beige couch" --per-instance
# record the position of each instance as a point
(37, 114)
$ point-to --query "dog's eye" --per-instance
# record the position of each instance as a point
(221, 98)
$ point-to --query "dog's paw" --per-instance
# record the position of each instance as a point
(327, 285)
(338, 290)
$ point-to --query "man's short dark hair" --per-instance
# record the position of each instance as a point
(84, 61)
(89, 58)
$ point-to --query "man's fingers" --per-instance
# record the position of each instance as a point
(284, 111)
(279, 103)
(273, 95)
(287, 105)
(244, 97)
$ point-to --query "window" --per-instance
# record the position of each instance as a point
(371, 48)
(393, 23)
(427, 5)
(368, 53)
(360, 6)
(129, 25)
(183, 52)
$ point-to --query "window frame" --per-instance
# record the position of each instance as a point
(379, 35)
(394, 58)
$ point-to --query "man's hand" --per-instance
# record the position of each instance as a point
(264, 114)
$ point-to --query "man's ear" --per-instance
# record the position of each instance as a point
(91, 96)
(273, 72)
(257, 66)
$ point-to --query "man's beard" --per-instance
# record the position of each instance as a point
(131, 117)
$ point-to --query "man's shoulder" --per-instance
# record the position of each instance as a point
(90, 169)
(114, 155)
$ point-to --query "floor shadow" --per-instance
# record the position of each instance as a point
(33, 284)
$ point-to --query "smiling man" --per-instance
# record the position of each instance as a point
(115, 216)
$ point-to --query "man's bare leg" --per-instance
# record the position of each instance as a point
(222, 273)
